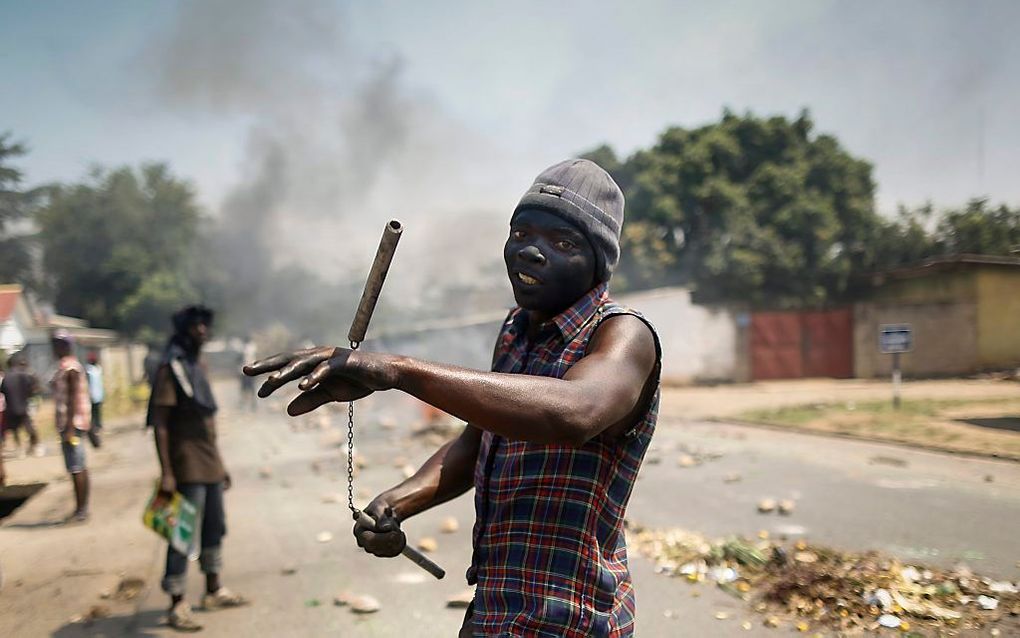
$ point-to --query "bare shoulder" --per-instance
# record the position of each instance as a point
(627, 337)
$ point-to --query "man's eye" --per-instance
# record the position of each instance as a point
(563, 244)
(517, 234)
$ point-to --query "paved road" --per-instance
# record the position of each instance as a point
(854, 495)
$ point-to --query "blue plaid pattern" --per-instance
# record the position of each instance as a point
(550, 557)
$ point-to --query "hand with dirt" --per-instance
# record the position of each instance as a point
(330, 374)
(385, 539)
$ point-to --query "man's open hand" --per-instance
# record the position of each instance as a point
(327, 374)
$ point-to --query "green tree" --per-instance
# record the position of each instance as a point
(15, 206)
(980, 229)
(120, 249)
(752, 209)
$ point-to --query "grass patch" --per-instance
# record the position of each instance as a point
(939, 423)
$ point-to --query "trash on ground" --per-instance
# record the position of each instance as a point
(324, 537)
(888, 460)
(461, 599)
(449, 525)
(686, 460)
(428, 544)
(363, 604)
(851, 593)
(129, 588)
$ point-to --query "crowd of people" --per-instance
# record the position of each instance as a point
(77, 392)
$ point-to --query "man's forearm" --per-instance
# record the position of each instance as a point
(516, 406)
(446, 475)
(162, 436)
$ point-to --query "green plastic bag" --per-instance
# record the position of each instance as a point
(175, 519)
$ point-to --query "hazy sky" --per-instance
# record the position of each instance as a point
(487, 94)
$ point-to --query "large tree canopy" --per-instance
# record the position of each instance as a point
(121, 248)
(763, 210)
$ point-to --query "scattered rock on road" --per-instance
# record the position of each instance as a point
(428, 544)
(461, 599)
(364, 604)
(449, 525)
(766, 505)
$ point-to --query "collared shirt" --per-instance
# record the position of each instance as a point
(550, 558)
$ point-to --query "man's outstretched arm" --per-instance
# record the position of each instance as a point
(603, 391)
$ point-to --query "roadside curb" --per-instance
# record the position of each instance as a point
(984, 456)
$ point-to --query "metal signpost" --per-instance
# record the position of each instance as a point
(895, 339)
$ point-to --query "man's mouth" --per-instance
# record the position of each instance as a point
(528, 280)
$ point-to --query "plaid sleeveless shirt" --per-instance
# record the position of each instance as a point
(550, 558)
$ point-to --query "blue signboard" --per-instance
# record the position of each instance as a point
(895, 337)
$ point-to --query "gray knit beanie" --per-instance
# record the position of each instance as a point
(581, 192)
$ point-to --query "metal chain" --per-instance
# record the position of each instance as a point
(350, 450)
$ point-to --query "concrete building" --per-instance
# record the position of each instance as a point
(964, 312)
(699, 343)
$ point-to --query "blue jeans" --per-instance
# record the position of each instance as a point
(208, 500)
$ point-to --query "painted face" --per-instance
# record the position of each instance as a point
(550, 262)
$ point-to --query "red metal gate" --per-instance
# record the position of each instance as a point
(795, 344)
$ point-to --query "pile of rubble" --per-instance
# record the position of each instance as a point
(815, 587)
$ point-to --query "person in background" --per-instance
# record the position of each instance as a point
(182, 411)
(94, 372)
(18, 387)
(73, 411)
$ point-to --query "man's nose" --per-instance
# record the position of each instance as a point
(531, 254)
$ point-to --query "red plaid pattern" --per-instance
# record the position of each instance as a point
(550, 557)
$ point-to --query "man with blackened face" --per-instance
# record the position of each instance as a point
(555, 432)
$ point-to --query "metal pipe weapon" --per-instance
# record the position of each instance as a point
(359, 327)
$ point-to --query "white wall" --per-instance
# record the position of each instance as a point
(699, 343)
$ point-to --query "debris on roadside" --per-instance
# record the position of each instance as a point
(364, 604)
(128, 588)
(820, 587)
(892, 461)
(461, 599)
(449, 525)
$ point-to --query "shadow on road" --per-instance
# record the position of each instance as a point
(139, 624)
(1010, 423)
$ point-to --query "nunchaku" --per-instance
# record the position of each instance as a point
(359, 327)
